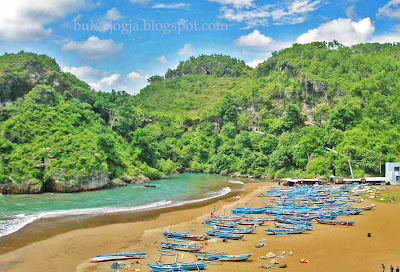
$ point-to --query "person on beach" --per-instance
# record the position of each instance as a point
(397, 269)
(391, 268)
(383, 268)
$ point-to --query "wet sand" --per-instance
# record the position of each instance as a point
(329, 248)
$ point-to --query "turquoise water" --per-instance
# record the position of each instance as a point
(16, 211)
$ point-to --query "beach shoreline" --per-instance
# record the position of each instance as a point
(327, 247)
(20, 259)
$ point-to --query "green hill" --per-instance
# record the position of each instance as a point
(210, 114)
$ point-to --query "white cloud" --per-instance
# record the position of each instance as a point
(85, 73)
(137, 80)
(235, 3)
(391, 9)
(343, 30)
(187, 50)
(137, 76)
(284, 12)
(105, 81)
(254, 63)
(113, 15)
(351, 13)
(182, 21)
(171, 6)
(94, 48)
(254, 39)
(25, 20)
(162, 59)
(386, 38)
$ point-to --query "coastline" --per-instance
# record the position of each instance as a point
(327, 247)
(47, 243)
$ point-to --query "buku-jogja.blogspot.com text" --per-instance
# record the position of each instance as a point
(130, 27)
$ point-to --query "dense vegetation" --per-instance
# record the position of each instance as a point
(212, 113)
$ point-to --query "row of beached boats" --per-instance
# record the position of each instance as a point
(293, 211)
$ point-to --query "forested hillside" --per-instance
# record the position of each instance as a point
(210, 114)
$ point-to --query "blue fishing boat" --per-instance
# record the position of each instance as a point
(292, 226)
(182, 235)
(285, 231)
(247, 210)
(225, 235)
(178, 266)
(334, 222)
(222, 257)
(235, 230)
(181, 247)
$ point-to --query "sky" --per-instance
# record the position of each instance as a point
(120, 44)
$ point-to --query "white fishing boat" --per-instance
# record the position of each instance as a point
(118, 256)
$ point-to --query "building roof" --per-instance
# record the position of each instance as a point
(300, 180)
(353, 180)
(372, 179)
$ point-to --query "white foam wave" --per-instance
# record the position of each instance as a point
(235, 182)
(222, 192)
(17, 222)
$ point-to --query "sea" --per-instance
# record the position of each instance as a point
(19, 211)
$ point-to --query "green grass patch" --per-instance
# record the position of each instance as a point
(386, 194)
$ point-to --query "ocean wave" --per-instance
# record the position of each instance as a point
(220, 193)
(235, 182)
(16, 222)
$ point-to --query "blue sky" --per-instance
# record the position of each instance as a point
(251, 30)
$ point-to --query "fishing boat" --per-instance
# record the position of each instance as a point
(181, 247)
(118, 256)
(226, 218)
(167, 270)
(292, 226)
(247, 210)
(182, 235)
(225, 235)
(285, 231)
(178, 266)
(367, 208)
(334, 222)
(222, 257)
(235, 230)
(226, 224)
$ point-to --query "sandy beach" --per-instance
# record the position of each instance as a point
(329, 248)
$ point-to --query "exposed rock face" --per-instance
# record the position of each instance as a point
(285, 66)
(216, 122)
(37, 73)
(223, 173)
(254, 117)
(135, 179)
(315, 88)
(27, 187)
(97, 180)
(117, 183)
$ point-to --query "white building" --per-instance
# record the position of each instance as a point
(393, 172)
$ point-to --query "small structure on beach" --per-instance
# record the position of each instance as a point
(300, 181)
(350, 181)
(392, 172)
(376, 180)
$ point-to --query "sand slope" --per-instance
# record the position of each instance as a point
(329, 248)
